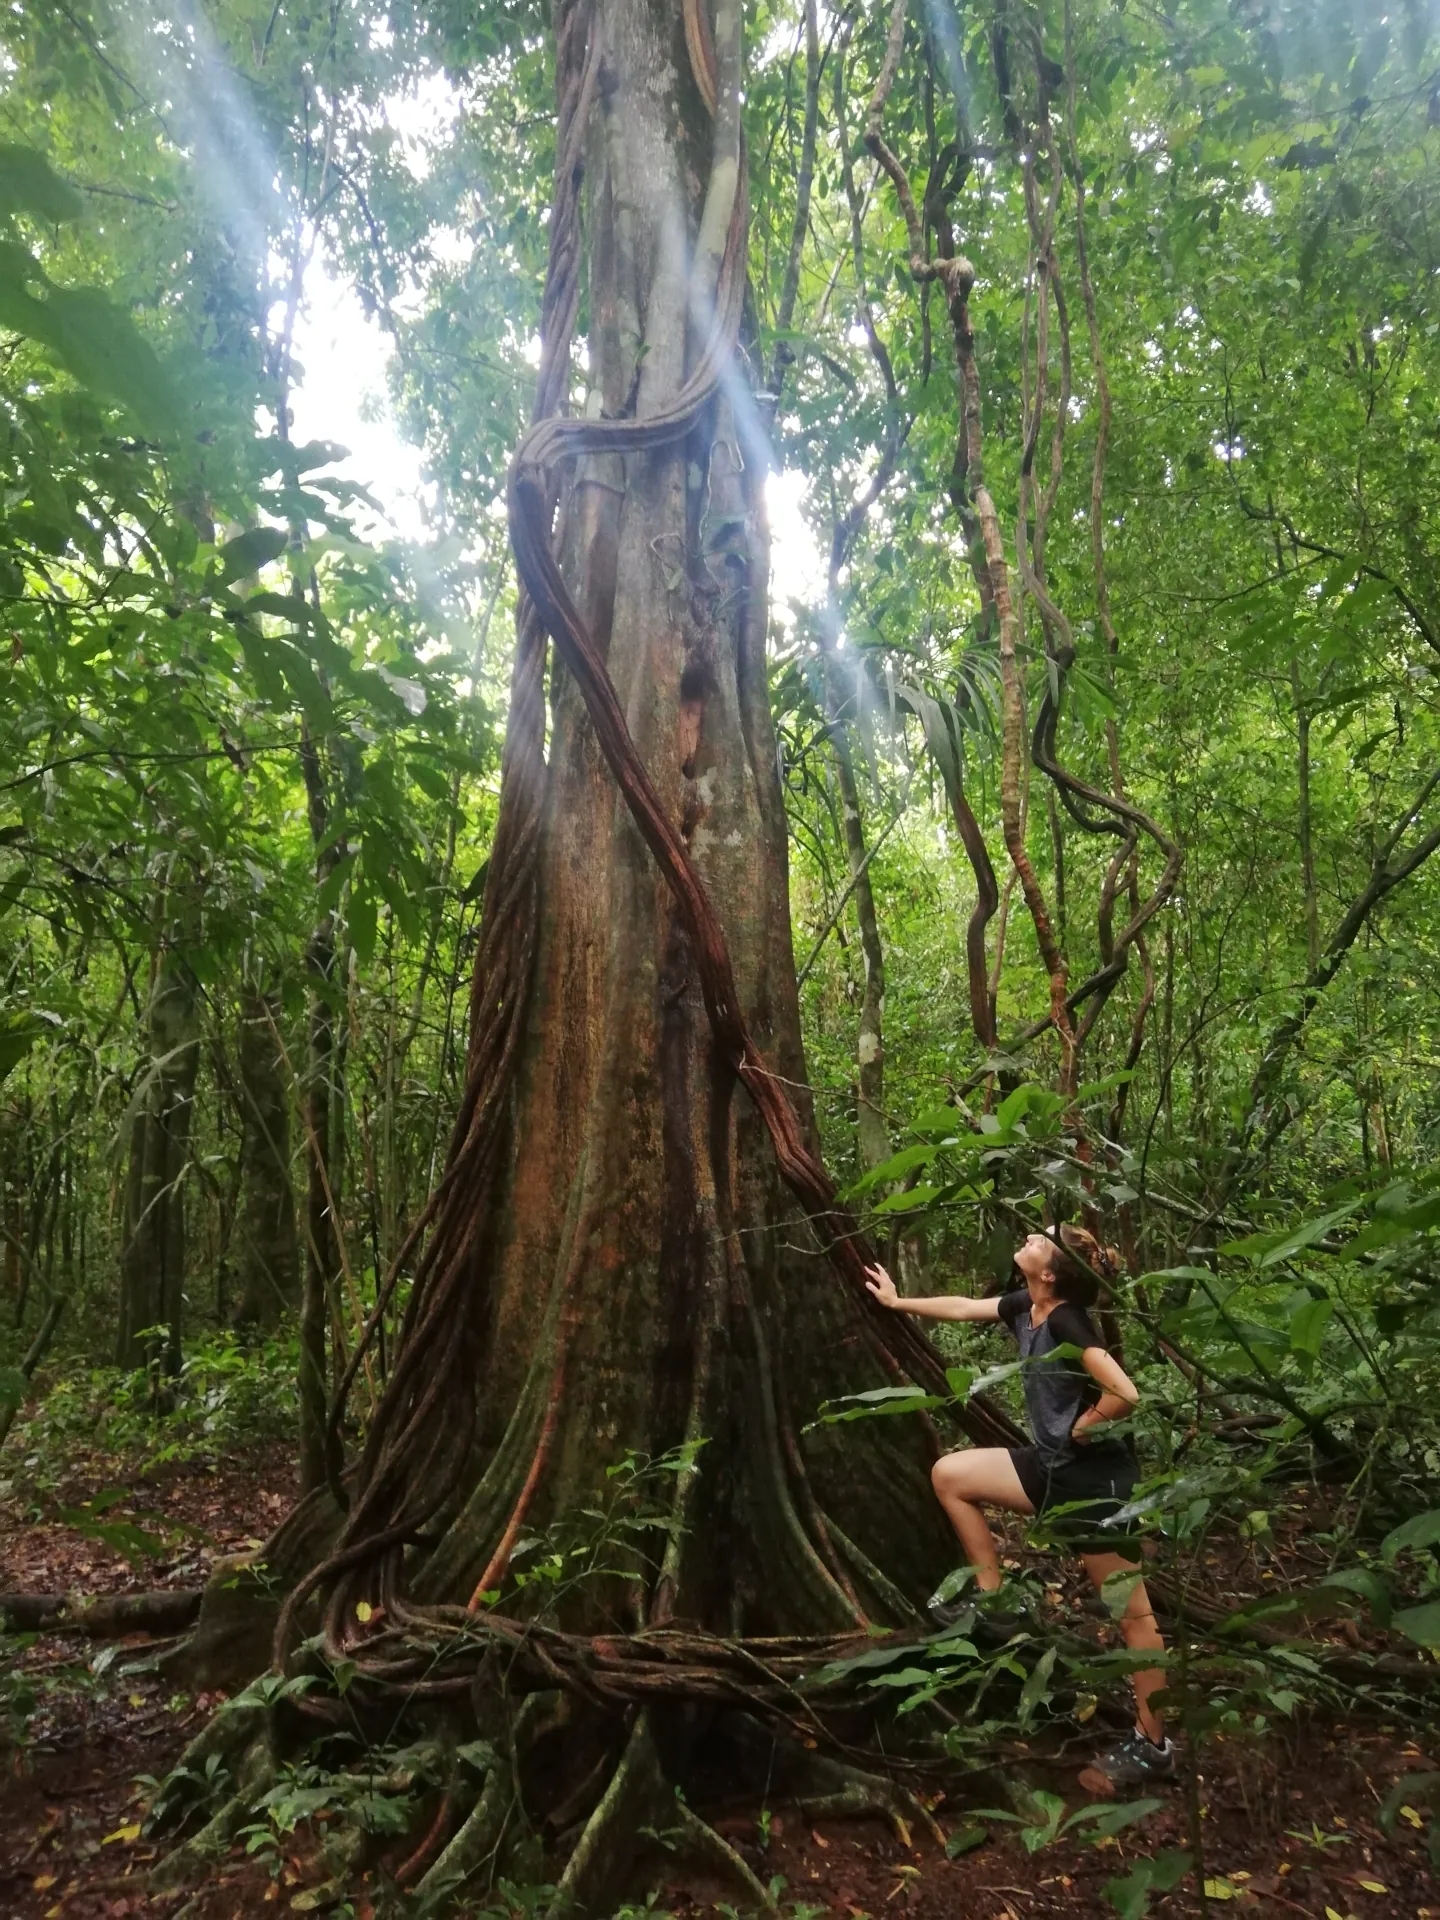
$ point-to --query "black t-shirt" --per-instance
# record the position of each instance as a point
(1057, 1391)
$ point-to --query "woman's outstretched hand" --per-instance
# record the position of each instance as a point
(882, 1286)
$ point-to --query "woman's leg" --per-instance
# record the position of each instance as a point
(963, 1482)
(1140, 1633)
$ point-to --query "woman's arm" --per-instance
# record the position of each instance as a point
(945, 1306)
(1118, 1393)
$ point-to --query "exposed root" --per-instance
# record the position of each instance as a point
(605, 1850)
(431, 1842)
(179, 1868)
(880, 1586)
(844, 1792)
(346, 1855)
(704, 1844)
(641, 1804)
(477, 1842)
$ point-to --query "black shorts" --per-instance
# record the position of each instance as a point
(1102, 1476)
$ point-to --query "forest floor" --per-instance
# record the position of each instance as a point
(1290, 1826)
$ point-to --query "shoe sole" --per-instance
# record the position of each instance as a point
(1105, 1788)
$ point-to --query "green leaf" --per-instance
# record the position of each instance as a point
(121, 1536)
(1037, 1684)
(250, 551)
(18, 1034)
(1307, 1327)
(879, 1400)
(1421, 1624)
(895, 1168)
(911, 1199)
(314, 453)
(1112, 1082)
(360, 919)
(1368, 1584)
(28, 184)
(1106, 1818)
(1118, 1588)
(1045, 1810)
(293, 607)
(965, 1840)
(1270, 1248)
(1421, 1530)
(1026, 1099)
(876, 1657)
(1130, 1896)
(91, 338)
(940, 725)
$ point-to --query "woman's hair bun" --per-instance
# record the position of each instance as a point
(1100, 1259)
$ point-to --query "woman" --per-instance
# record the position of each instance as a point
(1072, 1463)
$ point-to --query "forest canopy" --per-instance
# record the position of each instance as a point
(905, 715)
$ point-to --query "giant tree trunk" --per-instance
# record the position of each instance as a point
(649, 1280)
(152, 1250)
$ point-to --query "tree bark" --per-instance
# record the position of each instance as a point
(152, 1254)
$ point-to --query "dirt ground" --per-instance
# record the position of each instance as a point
(1288, 1828)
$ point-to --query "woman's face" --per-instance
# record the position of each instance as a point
(1033, 1260)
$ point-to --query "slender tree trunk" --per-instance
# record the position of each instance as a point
(871, 1132)
(10, 1403)
(152, 1255)
(322, 1228)
(1302, 821)
(269, 1246)
(12, 1213)
(1057, 850)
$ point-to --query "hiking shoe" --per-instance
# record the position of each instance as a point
(1137, 1762)
(952, 1615)
(987, 1624)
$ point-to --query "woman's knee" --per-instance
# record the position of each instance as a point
(948, 1476)
(981, 1476)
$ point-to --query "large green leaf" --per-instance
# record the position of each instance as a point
(1130, 1895)
(247, 553)
(18, 1034)
(1308, 1324)
(1271, 1248)
(29, 184)
(1421, 1624)
(1412, 1536)
(83, 331)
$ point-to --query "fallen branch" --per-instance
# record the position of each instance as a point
(104, 1616)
